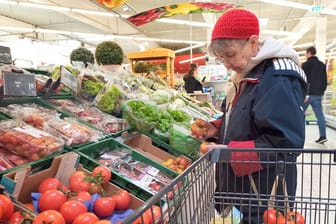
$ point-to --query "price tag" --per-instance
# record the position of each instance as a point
(18, 84)
(69, 79)
(5, 55)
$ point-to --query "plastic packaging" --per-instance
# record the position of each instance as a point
(25, 140)
(72, 131)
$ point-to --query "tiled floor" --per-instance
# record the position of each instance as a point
(316, 171)
(312, 134)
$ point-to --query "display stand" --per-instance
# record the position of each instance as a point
(155, 54)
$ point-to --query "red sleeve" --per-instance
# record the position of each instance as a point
(217, 123)
(244, 162)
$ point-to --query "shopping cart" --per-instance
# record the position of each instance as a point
(208, 191)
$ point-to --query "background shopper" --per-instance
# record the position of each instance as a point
(191, 84)
(266, 112)
(316, 73)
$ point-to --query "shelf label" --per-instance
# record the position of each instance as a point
(69, 79)
(18, 84)
(5, 55)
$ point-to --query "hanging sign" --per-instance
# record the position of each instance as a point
(69, 79)
(178, 9)
(5, 55)
(18, 84)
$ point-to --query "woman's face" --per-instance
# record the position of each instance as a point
(235, 54)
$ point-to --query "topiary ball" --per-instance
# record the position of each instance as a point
(82, 54)
(109, 53)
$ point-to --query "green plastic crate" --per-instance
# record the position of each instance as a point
(91, 152)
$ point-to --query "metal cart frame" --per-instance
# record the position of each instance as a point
(192, 198)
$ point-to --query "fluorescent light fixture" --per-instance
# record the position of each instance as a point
(192, 59)
(309, 44)
(328, 12)
(282, 33)
(185, 22)
(19, 29)
(97, 13)
(8, 2)
(188, 48)
(51, 7)
(288, 4)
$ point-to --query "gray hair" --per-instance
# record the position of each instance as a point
(221, 44)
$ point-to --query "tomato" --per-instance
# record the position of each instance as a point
(199, 128)
(86, 218)
(295, 217)
(49, 184)
(154, 213)
(7, 207)
(143, 219)
(273, 216)
(51, 200)
(16, 218)
(1, 212)
(71, 209)
(29, 206)
(104, 206)
(49, 216)
(122, 200)
(78, 182)
(95, 188)
(103, 173)
(83, 196)
(103, 222)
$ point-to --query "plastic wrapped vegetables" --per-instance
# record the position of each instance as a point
(107, 99)
(143, 117)
(92, 87)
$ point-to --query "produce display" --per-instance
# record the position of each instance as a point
(90, 114)
(25, 140)
(90, 85)
(9, 159)
(72, 131)
(140, 173)
(179, 164)
(31, 113)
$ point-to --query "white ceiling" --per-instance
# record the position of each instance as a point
(281, 18)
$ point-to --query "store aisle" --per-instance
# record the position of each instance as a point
(312, 134)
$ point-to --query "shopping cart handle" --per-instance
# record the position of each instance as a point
(220, 155)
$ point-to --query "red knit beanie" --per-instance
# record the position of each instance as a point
(236, 23)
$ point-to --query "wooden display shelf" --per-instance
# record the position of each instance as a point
(155, 54)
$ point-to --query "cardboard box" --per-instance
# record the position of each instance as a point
(144, 145)
(22, 182)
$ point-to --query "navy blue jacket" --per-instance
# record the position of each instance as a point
(267, 113)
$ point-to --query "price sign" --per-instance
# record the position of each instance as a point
(69, 79)
(5, 55)
(18, 84)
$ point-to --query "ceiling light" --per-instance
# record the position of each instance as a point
(189, 48)
(97, 13)
(8, 2)
(283, 33)
(192, 59)
(288, 4)
(51, 7)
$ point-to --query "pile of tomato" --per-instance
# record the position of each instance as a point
(84, 201)
(274, 216)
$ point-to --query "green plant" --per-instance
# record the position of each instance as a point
(109, 53)
(141, 67)
(82, 54)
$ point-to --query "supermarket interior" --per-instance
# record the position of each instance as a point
(167, 112)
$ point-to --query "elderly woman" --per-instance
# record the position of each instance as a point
(265, 112)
